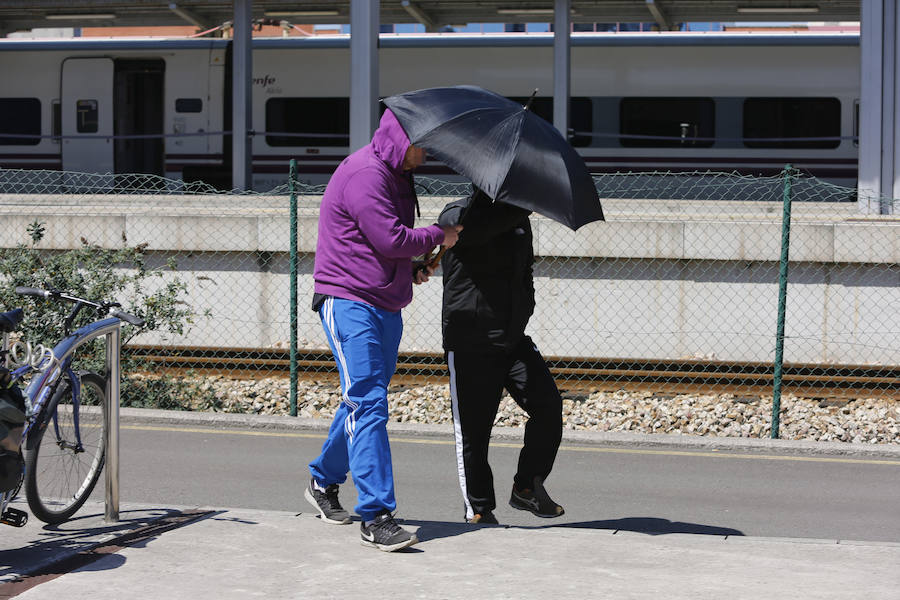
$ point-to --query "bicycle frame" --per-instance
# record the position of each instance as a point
(40, 386)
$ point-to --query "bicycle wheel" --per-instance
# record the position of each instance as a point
(62, 462)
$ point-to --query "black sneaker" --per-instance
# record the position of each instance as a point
(330, 510)
(536, 500)
(385, 534)
(485, 518)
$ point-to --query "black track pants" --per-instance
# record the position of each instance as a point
(476, 387)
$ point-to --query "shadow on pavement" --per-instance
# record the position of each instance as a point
(430, 530)
(56, 549)
(652, 526)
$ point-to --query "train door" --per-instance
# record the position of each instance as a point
(138, 101)
(87, 115)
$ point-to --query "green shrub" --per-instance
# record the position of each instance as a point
(99, 274)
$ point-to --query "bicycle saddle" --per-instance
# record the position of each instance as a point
(10, 319)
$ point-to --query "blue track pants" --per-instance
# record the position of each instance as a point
(365, 341)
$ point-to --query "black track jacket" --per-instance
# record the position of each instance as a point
(488, 282)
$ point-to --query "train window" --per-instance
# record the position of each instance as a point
(779, 119)
(188, 105)
(86, 112)
(304, 118)
(22, 116)
(580, 115)
(668, 122)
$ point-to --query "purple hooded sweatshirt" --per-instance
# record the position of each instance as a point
(366, 236)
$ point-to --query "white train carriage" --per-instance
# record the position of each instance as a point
(640, 102)
(65, 100)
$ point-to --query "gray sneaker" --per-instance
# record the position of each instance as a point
(385, 534)
(330, 510)
(536, 501)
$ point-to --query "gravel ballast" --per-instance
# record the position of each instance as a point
(859, 421)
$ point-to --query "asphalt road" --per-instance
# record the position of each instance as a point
(770, 493)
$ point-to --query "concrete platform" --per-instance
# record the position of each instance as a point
(213, 552)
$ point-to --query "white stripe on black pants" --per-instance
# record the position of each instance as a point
(477, 381)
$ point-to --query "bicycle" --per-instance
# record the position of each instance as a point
(61, 468)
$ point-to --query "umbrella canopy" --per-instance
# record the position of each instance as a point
(506, 150)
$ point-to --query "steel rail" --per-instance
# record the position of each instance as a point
(572, 374)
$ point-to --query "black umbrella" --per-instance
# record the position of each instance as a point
(506, 150)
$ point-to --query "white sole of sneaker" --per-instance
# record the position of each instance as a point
(390, 547)
(312, 501)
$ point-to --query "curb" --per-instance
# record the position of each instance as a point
(148, 416)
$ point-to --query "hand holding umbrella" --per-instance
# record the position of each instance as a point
(425, 269)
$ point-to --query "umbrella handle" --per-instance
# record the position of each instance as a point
(432, 261)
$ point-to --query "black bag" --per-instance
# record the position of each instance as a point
(12, 406)
(11, 467)
(12, 421)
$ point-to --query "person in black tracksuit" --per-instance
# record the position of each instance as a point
(488, 300)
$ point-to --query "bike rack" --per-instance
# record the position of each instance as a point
(113, 375)
(111, 328)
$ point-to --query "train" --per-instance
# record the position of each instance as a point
(736, 102)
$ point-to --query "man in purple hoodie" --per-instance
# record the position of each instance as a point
(363, 278)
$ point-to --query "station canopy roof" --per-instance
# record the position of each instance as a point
(434, 14)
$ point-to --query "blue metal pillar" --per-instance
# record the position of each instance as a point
(364, 26)
(879, 126)
(242, 105)
(561, 65)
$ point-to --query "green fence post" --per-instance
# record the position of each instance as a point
(782, 300)
(291, 185)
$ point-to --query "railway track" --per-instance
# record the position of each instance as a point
(574, 375)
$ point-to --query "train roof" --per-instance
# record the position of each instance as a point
(453, 40)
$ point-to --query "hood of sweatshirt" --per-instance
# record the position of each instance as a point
(389, 142)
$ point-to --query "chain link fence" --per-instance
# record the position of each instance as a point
(677, 291)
